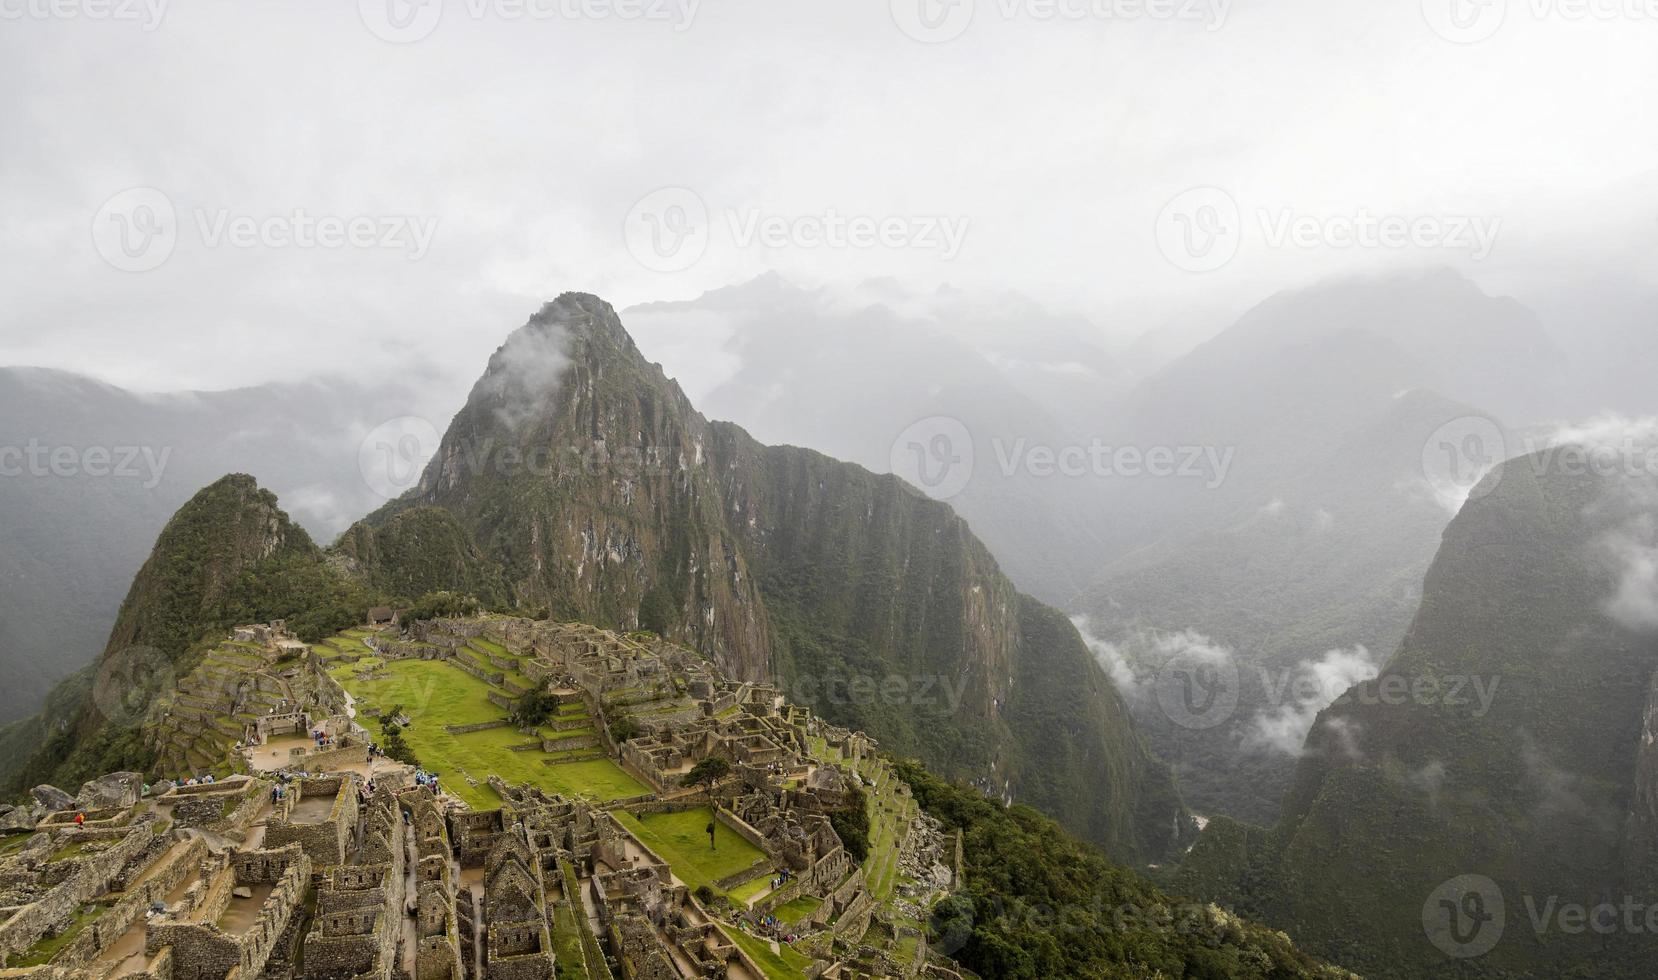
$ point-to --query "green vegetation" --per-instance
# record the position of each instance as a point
(392, 740)
(598, 779)
(443, 605)
(75, 849)
(745, 893)
(491, 647)
(707, 772)
(785, 964)
(658, 612)
(681, 839)
(852, 824)
(535, 709)
(43, 951)
(567, 954)
(434, 695)
(423, 555)
(427, 690)
(794, 911)
(1041, 904)
(1525, 776)
(229, 556)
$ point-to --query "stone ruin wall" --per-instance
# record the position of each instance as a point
(201, 949)
(87, 881)
(325, 842)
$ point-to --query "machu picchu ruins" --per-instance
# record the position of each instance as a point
(462, 799)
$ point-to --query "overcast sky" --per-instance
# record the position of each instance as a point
(493, 157)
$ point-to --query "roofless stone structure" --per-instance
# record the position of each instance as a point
(283, 848)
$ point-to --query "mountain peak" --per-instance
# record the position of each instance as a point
(582, 316)
(598, 491)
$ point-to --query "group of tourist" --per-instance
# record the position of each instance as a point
(322, 738)
(206, 780)
(772, 927)
(428, 780)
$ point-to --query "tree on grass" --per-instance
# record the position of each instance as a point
(624, 728)
(708, 772)
(535, 708)
(392, 740)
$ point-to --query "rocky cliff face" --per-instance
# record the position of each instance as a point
(1509, 738)
(588, 475)
(583, 471)
(420, 550)
(1643, 812)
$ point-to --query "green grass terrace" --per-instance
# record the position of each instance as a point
(681, 839)
(435, 694)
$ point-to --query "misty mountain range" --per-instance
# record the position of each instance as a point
(1311, 541)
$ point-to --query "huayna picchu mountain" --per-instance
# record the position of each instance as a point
(585, 474)
(1488, 805)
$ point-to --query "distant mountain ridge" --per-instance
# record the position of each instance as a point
(1336, 400)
